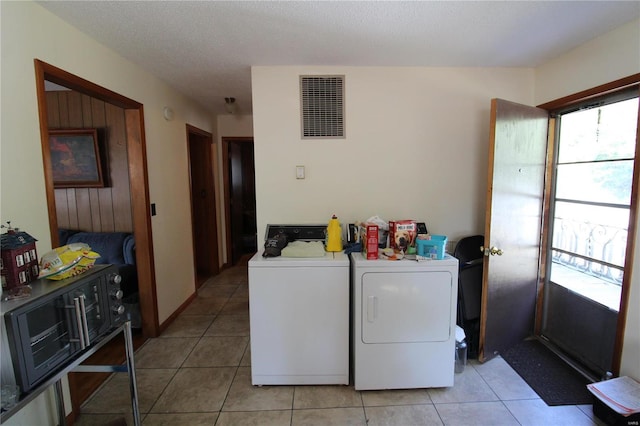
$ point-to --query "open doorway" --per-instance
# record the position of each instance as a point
(203, 204)
(88, 105)
(561, 317)
(133, 213)
(591, 208)
(240, 197)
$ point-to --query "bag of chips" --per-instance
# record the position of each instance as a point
(67, 261)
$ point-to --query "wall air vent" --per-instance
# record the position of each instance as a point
(322, 106)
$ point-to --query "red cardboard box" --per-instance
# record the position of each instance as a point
(402, 235)
(369, 241)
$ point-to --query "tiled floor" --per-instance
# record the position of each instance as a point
(198, 373)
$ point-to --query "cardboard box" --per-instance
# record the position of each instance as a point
(369, 240)
(402, 235)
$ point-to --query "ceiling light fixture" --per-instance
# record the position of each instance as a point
(230, 105)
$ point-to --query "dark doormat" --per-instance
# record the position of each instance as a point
(556, 382)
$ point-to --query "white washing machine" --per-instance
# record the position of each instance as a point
(404, 320)
(299, 315)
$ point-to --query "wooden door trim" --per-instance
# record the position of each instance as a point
(215, 261)
(596, 92)
(487, 230)
(73, 82)
(629, 254)
(227, 196)
(546, 225)
(141, 206)
(139, 184)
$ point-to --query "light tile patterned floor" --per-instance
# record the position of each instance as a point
(199, 373)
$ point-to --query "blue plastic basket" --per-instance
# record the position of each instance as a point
(433, 248)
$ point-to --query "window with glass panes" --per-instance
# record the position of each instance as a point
(591, 205)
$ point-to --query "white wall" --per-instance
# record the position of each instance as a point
(416, 146)
(234, 125)
(229, 125)
(602, 60)
(28, 31)
(607, 58)
(431, 121)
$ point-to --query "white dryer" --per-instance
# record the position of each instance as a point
(404, 319)
(299, 315)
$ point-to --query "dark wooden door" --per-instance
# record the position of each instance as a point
(517, 159)
(203, 202)
(242, 197)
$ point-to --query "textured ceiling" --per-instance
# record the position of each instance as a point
(205, 49)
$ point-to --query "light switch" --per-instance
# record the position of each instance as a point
(299, 172)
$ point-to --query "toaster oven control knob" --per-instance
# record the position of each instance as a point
(118, 310)
(115, 279)
(117, 295)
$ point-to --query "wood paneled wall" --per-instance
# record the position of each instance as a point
(94, 209)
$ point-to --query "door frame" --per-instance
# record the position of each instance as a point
(552, 106)
(227, 196)
(139, 184)
(214, 260)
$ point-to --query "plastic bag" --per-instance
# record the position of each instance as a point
(377, 220)
(67, 261)
(383, 230)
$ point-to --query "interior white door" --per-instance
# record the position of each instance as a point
(405, 307)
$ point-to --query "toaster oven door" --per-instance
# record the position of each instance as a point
(48, 335)
(92, 304)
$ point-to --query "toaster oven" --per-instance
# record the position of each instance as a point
(58, 322)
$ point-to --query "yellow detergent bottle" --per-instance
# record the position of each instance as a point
(334, 235)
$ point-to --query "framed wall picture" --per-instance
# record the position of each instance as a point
(75, 158)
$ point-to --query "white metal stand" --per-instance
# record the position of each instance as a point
(74, 366)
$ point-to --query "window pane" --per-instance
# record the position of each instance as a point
(594, 288)
(607, 182)
(603, 133)
(597, 232)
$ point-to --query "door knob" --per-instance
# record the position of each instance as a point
(491, 251)
(495, 250)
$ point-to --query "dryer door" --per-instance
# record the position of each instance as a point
(405, 307)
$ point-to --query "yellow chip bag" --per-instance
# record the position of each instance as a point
(67, 261)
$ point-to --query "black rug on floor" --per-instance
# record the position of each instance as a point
(553, 380)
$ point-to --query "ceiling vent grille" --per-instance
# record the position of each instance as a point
(322, 106)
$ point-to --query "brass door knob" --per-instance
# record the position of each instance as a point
(491, 251)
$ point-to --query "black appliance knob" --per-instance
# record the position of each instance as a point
(117, 295)
(118, 310)
(115, 279)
